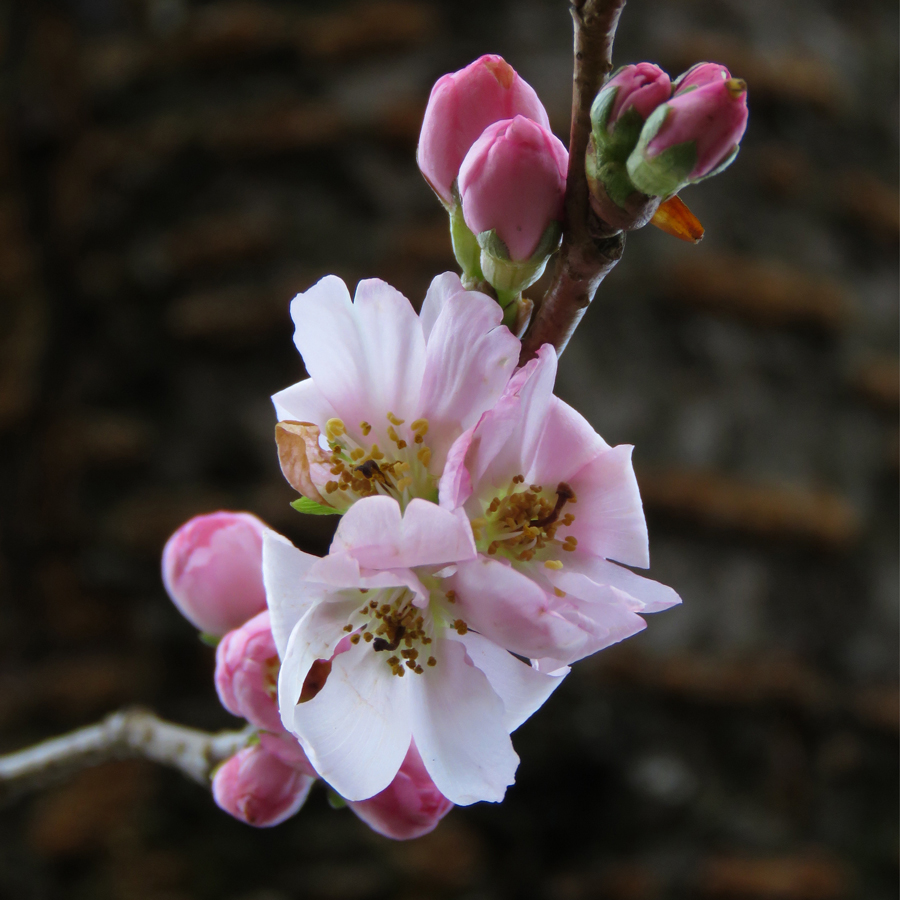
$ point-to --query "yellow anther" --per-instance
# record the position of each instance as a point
(367, 637)
(559, 593)
(394, 420)
(460, 626)
(404, 483)
(331, 487)
(365, 428)
(354, 638)
(375, 453)
(392, 434)
(335, 428)
(348, 628)
(553, 564)
(424, 456)
(420, 426)
(432, 661)
(358, 453)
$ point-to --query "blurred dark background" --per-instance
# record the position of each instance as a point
(172, 172)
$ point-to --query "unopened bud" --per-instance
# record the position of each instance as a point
(694, 135)
(212, 569)
(462, 104)
(258, 788)
(512, 186)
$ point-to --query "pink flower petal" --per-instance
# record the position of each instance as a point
(374, 533)
(521, 687)
(513, 611)
(609, 515)
(441, 289)
(303, 402)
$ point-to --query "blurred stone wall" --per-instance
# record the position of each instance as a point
(172, 172)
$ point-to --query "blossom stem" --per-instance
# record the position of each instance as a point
(585, 258)
(127, 734)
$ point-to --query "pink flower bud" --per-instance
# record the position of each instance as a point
(699, 75)
(409, 806)
(212, 569)
(641, 87)
(462, 104)
(713, 116)
(513, 181)
(247, 673)
(256, 787)
(287, 748)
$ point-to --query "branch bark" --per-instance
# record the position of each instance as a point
(585, 258)
(130, 733)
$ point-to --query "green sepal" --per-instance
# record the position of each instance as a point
(211, 640)
(507, 277)
(335, 800)
(664, 174)
(465, 244)
(311, 508)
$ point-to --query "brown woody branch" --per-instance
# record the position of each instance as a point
(585, 258)
(131, 733)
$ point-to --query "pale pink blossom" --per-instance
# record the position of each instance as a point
(462, 104)
(409, 807)
(211, 568)
(389, 391)
(247, 672)
(414, 672)
(513, 181)
(258, 788)
(552, 506)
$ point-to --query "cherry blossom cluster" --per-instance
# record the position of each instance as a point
(487, 534)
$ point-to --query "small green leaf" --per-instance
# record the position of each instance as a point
(211, 640)
(311, 508)
(335, 800)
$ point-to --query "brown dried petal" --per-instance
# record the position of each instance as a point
(298, 452)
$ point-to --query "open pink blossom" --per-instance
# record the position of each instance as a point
(212, 570)
(389, 391)
(462, 104)
(409, 807)
(551, 505)
(414, 672)
(247, 672)
(513, 181)
(258, 788)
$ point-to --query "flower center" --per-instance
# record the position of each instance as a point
(392, 625)
(521, 523)
(400, 471)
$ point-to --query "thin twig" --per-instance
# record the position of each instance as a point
(584, 260)
(130, 733)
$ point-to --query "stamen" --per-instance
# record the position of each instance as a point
(394, 420)
(365, 428)
(334, 428)
(558, 592)
(424, 456)
(553, 564)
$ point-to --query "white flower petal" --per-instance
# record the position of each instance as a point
(441, 289)
(457, 724)
(469, 359)
(367, 357)
(356, 730)
(303, 402)
(521, 687)
(288, 595)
